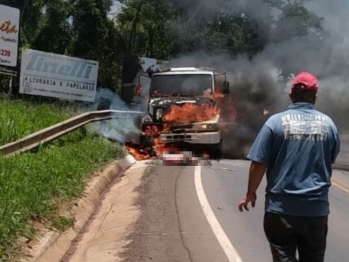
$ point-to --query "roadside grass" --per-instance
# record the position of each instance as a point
(22, 118)
(36, 187)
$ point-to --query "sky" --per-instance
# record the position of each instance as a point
(115, 8)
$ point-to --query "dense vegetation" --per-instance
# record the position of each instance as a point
(160, 29)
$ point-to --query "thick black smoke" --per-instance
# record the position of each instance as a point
(258, 86)
(256, 91)
(260, 83)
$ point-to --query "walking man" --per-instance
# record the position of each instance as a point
(296, 148)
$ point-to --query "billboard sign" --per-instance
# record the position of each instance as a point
(59, 76)
(9, 35)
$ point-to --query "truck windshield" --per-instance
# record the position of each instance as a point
(181, 85)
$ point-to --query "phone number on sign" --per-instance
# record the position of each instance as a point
(4, 52)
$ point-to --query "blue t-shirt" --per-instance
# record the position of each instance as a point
(299, 146)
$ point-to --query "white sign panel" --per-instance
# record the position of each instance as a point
(9, 35)
(47, 74)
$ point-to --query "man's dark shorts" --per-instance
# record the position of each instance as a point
(287, 234)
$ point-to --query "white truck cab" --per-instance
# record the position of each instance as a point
(180, 86)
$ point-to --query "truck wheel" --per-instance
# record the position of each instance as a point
(217, 151)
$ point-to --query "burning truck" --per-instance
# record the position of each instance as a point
(183, 111)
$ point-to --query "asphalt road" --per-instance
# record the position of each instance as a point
(225, 183)
(343, 157)
(189, 214)
(201, 203)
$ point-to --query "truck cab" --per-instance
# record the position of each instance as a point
(182, 106)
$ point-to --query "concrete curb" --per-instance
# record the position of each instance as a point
(58, 243)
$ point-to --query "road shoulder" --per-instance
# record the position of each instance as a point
(156, 235)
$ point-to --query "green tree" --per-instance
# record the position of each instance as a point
(96, 38)
(56, 33)
(78, 28)
(296, 20)
(89, 25)
(144, 26)
(164, 29)
(159, 29)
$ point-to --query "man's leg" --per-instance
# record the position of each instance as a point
(281, 236)
(312, 239)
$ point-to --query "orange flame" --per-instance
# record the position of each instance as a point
(137, 154)
(159, 147)
(138, 90)
(188, 113)
(151, 130)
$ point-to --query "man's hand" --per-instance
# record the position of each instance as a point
(256, 174)
(250, 198)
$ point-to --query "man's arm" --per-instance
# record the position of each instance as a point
(259, 154)
(256, 174)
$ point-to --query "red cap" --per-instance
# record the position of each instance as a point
(308, 81)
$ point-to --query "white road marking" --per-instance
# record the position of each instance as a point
(217, 229)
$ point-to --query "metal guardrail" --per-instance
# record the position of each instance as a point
(48, 134)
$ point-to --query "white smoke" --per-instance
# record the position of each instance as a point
(124, 125)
